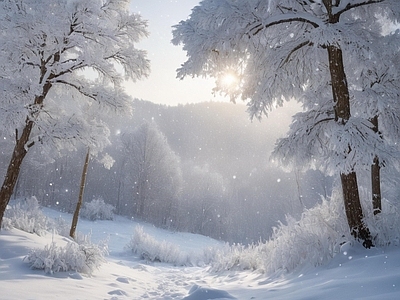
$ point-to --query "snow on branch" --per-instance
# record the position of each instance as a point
(49, 48)
(346, 5)
(285, 18)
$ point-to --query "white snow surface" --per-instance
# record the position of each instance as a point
(355, 273)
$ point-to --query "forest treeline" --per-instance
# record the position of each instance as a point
(202, 168)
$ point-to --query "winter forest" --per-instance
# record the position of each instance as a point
(301, 161)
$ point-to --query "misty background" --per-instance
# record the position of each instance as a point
(202, 168)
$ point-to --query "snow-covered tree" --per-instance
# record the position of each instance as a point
(303, 49)
(203, 200)
(155, 173)
(57, 59)
(376, 97)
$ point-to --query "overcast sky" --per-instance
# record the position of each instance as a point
(162, 86)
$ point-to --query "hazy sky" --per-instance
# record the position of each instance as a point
(162, 86)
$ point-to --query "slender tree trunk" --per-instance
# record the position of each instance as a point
(351, 196)
(80, 198)
(376, 177)
(376, 186)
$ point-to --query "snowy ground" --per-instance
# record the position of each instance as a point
(353, 274)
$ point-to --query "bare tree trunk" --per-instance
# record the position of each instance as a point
(351, 196)
(21, 145)
(376, 177)
(80, 198)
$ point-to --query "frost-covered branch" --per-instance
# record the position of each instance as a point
(45, 49)
(298, 47)
(346, 5)
(254, 29)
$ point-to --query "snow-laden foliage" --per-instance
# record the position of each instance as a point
(97, 209)
(328, 146)
(385, 226)
(148, 248)
(82, 258)
(312, 240)
(25, 214)
(278, 51)
(236, 257)
(61, 227)
(276, 47)
(153, 172)
(61, 61)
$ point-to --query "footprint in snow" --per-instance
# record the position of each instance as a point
(118, 292)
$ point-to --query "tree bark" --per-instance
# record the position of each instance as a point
(21, 148)
(376, 177)
(353, 209)
(341, 99)
(80, 198)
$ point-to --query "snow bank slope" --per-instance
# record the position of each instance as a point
(355, 273)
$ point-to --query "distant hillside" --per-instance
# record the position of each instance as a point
(216, 133)
(217, 138)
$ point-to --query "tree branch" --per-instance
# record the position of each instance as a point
(298, 47)
(79, 65)
(78, 88)
(355, 5)
(282, 19)
(308, 131)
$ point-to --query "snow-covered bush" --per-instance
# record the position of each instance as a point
(313, 240)
(236, 256)
(97, 209)
(385, 226)
(25, 214)
(150, 249)
(60, 226)
(82, 258)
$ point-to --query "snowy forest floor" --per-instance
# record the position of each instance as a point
(355, 273)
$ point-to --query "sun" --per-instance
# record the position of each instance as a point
(229, 80)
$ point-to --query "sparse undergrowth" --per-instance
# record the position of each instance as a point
(97, 209)
(313, 240)
(82, 258)
(25, 214)
(150, 249)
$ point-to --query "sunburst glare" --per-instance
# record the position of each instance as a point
(229, 80)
